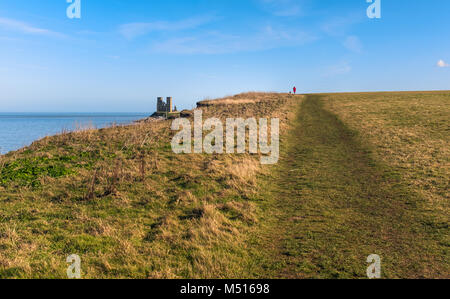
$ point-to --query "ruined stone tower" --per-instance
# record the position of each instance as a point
(160, 105)
(164, 107)
(169, 104)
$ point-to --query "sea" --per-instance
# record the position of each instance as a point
(18, 130)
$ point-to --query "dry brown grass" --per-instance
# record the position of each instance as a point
(240, 99)
(410, 131)
(342, 191)
(131, 208)
(122, 200)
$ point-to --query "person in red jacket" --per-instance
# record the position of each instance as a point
(295, 90)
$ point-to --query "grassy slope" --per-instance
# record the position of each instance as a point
(409, 131)
(335, 204)
(346, 187)
(131, 208)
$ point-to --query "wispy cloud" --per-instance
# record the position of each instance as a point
(353, 44)
(220, 43)
(207, 43)
(442, 63)
(283, 8)
(25, 28)
(339, 26)
(340, 68)
(133, 30)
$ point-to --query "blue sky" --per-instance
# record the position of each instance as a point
(122, 54)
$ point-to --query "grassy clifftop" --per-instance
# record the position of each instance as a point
(362, 174)
(128, 206)
(359, 174)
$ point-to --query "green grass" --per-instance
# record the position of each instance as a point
(333, 203)
(27, 171)
(127, 205)
(359, 174)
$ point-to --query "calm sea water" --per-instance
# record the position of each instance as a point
(21, 129)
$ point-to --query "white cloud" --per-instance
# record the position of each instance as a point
(219, 43)
(133, 30)
(442, 63)
(339, 26)
(353, 43)
(26, 28)
(341, 68)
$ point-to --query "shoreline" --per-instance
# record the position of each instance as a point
(75, 128)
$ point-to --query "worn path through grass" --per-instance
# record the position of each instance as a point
(332, 205)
